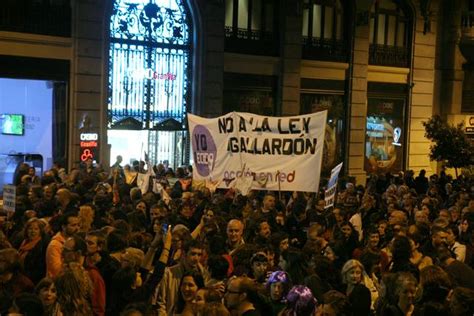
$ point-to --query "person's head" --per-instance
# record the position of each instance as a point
(352, 272)
(435, 283)
(70, 224)
(439, 236)
(373, 238)
(421, 217)
(74, 249)
(34, 228)
(96, 242)
(346, 229)
(119, 159)
(215, 309)
(269, 202)
(86, 216)
(235, 229)
(300, 301)
(193, 250)
(158, 211)
(278, 284)
(191, 282)
(462, 302)
(264, 229)
(9, 264)
(335, 304)
(46, 291)
(259, 265)
(401, 249)
(397, 218)
(73, 287)
(240, 290)
(26, 304)
(405, 289)
(63, 196)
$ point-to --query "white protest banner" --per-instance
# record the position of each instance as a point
(277, 152)
(9, 197)
(330, 193)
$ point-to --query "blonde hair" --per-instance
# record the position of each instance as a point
(86, 216)
(349, 265)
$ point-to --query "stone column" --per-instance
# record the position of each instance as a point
(290, 57)
(87, 89)
(358, 97)
(211, 89)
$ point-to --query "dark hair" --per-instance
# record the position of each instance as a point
(338, 301)
(28, 304)
(297, 265)
(401, 249)
(218, 267)
(198, 279)
(79, 244)
(192, 243)
(117, 241)
(64, 220)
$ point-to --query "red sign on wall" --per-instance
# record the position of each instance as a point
(89, 145)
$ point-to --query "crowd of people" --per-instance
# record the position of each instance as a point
(148, 240)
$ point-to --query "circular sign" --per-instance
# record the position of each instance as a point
(204, 150)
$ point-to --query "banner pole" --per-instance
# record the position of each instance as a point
(279, 185)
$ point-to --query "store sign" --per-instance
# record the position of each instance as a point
(150, 74)
(89, 142)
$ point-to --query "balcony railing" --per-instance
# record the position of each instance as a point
(36, 18)
(324, 49)
(253, 42)
(386, 55)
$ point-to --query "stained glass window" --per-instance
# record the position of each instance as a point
(149, 61)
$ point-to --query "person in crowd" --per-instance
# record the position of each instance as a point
(74, 288)
(278, 285)
(54, 260)
(359, 295)
(300, 302)
(241, 297)
(166, 295)
(12, 281)
(32, 250)
(191, 282)
(75, 251)
(235, 230)
(46, 291)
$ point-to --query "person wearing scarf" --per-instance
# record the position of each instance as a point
(32, 250)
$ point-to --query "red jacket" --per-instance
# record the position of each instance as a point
(98, 291)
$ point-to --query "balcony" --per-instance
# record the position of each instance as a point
(316, 48)
(387, 55)
(37, 17)
(254, 42)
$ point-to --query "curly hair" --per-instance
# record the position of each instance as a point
(74, 289)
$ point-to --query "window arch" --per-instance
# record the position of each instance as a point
(324, 30)
(150, 62)
(390, 33)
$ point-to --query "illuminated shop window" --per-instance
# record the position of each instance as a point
(150, 69)
(385, 135)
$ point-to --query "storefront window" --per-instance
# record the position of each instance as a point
(334, 136)
(385, 135)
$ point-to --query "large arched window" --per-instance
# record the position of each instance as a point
(324, 30)
(390, 33)
(149, 77)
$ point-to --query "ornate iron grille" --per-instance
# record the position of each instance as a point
(324, 49)
(149, 74)
(149, 62)
(389, 55)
